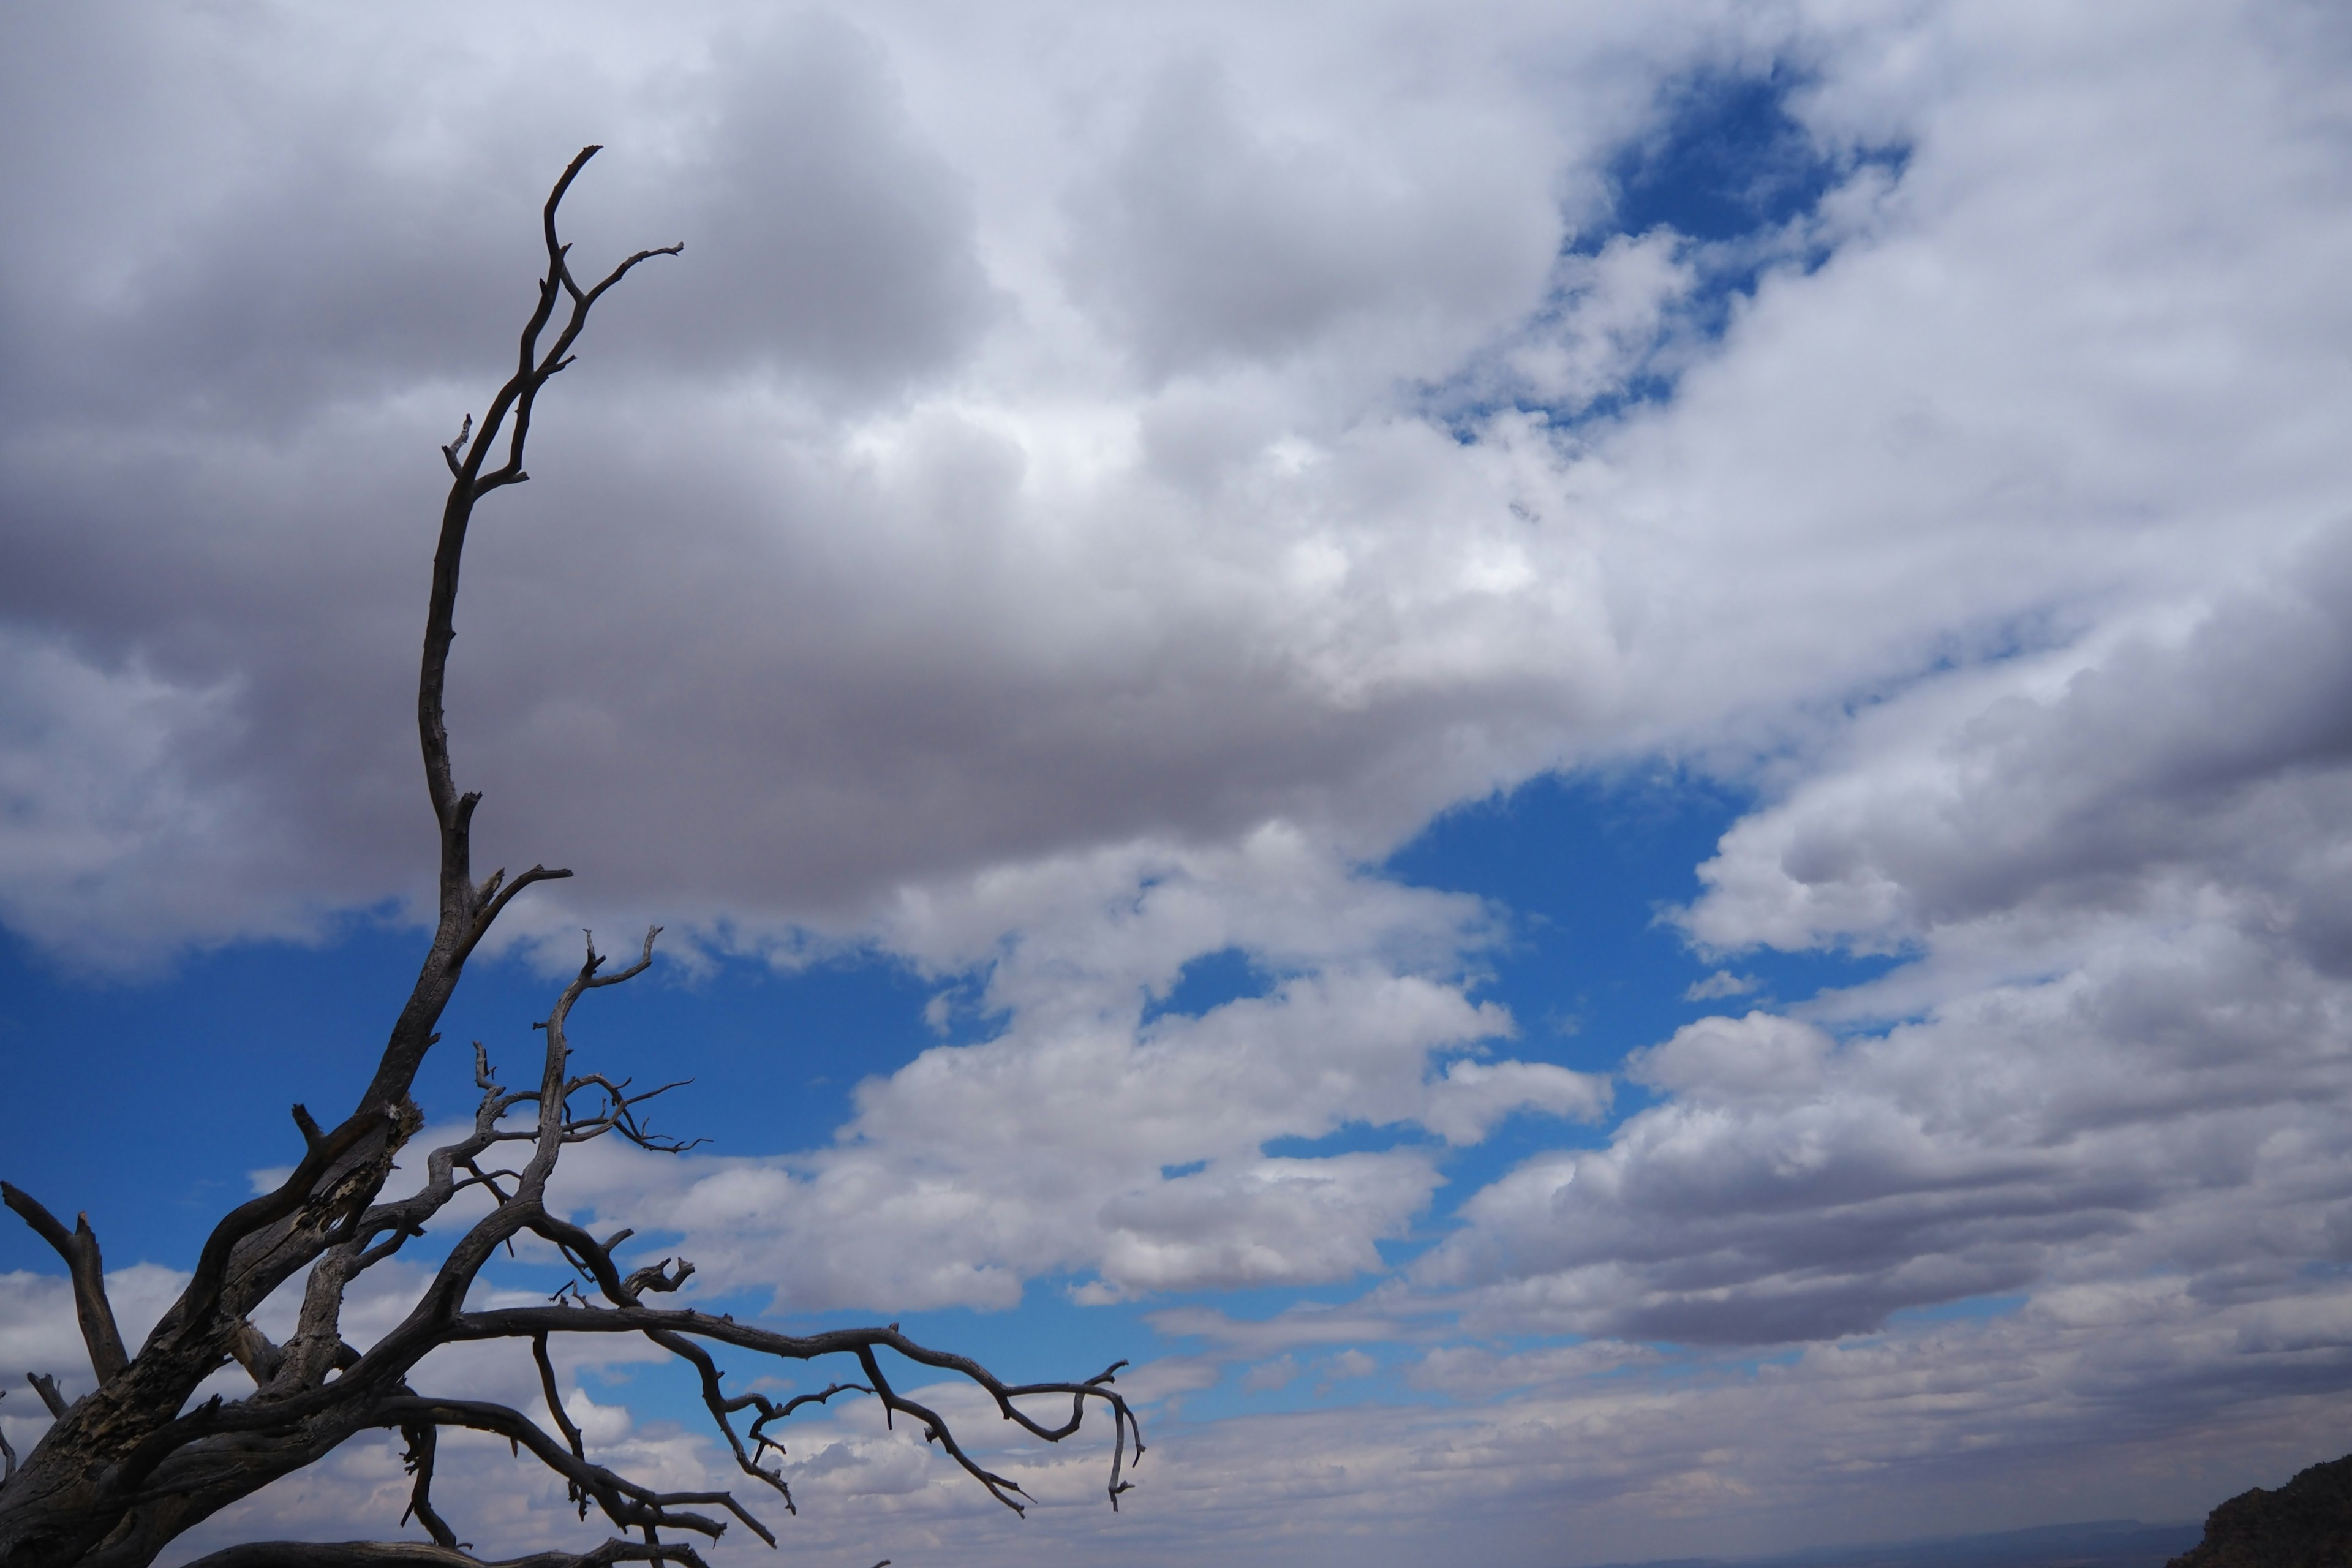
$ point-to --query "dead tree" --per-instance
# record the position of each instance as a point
(127, 1468)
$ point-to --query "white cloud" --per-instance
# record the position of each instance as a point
(856, 544)
(2200, 758)
(1473, 1096)
(102, 771)
(2169, 1105)
(1735, 1060)
(1209, 240)
(1721, 983)
(1015, 536)
(38, 1333)
(1279, 1373)
(1082, 1137)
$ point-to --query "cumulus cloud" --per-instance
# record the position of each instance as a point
(1207, 240)
(1612, 312)
(1722, 982)
(2207, 756)
(2123, 1045)
(1083, 1137)
(891, 571)
(38, 1333)
(2170, 1104)
(1097, 483)
(102, 769)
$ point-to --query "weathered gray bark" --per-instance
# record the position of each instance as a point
(128, 1467)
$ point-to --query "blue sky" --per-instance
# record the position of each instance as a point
(1588, 761)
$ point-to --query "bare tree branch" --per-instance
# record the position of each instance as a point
(79, 1247)
(46, 1387)
(423, 1442)
(630, 1505)
(123, 1471)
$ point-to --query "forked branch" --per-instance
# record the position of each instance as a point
(79, 1247)
(467, 909)
(123, 1471)
(371, 1389)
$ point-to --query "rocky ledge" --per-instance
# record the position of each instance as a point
(2306, 1523)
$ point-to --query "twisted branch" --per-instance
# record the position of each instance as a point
(123, 1471)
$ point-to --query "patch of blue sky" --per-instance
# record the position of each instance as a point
(1729, 166)
(775, 1056)
(1729, 171)
(1724, 159)
(200, 1065)
(1969, 1309)
(1353, 1138)
(190, 1073)
(1588, 867)
(1209, 982)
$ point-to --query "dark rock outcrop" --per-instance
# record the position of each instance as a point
(2306, 1523)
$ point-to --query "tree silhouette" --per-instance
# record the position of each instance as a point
(126, 1469)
